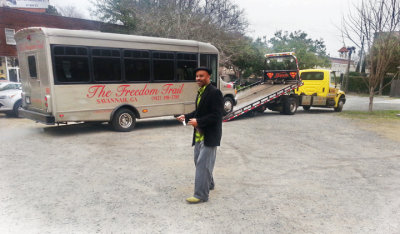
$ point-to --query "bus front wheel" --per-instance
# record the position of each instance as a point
(124, 120)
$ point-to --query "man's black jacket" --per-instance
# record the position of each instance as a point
(209, 116)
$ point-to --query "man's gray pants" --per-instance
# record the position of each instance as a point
(204, 160)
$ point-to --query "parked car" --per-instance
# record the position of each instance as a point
(10, 98)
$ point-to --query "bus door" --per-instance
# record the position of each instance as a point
(33, 90)
(211, 61)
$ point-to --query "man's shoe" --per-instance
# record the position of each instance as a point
(193, 200)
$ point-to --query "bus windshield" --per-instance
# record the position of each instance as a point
(280, 63)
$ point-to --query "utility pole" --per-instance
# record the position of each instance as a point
(346, 83)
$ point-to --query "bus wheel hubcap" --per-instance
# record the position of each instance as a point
(125, 120)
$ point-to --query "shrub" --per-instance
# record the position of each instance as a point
(358, 85)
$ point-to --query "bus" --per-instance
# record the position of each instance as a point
(90, 76)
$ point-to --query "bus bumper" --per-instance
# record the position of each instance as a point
(38, 117)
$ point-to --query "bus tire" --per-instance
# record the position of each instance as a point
(306, 108)
(339, 107)
(228, 105)
(124, 120)
(290, 106)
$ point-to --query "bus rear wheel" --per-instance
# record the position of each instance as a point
(124, 120)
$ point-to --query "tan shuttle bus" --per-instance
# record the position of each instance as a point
(88, 76)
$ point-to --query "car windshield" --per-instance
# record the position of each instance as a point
(281, 63)
(9, 86)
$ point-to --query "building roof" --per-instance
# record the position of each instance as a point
(343, 50)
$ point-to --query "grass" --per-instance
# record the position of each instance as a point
(386, 114)
(384, 123)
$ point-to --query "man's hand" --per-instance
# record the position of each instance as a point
(181, 118)
(193, 122)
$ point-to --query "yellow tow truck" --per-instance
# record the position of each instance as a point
(321, 89)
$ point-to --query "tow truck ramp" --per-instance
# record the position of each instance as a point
(259, 95)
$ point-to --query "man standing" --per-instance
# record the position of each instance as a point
(207, 123)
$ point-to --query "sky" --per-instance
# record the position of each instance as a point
(320, 19)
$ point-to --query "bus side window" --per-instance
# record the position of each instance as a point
(137, 65)
(213, 66)
(71, 64)
(106, 64)
(186, 65)
(32, 66)
(164, 66)
(210, 61)
(204, 60)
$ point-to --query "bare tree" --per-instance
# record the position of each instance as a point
(377, 22)
(70, 11)
(220, 22)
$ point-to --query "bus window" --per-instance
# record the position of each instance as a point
(106, 64)
(137, 65)
(204, 60)
(163, 66)
(32, 66)
(210, 61)
(213, 66)
(185, 66)
(71, 64)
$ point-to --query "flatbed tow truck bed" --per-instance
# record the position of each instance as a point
(259, 95)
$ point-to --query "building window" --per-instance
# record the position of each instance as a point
(10, 36)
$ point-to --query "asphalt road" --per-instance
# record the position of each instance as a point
(308, 173)
(359, 103)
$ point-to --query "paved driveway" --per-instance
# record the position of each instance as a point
(360, 103)
(308, 173)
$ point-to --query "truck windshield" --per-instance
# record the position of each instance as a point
(312, 76)
(280, 63)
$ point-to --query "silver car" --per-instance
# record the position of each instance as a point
(10, 98)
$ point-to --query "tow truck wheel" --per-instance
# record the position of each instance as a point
(228, 105)
(261, 109)
(290, 106)
(339, 107)
(306, 108)
(124, 120)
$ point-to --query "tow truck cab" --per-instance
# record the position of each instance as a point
(321, 89)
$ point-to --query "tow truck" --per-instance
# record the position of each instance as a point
(276, 91)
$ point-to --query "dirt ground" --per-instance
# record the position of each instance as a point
(310, 173)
